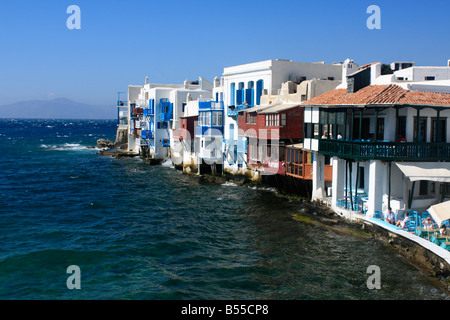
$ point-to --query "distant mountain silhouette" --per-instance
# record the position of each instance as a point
(59, 108)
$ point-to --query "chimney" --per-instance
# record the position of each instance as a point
(348, 67)
(146, 80)
(375, 71)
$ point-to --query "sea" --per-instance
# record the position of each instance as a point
(76, 225)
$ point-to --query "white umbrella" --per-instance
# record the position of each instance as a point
(440, 212)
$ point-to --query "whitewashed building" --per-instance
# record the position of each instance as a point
(243, 86)
(154, 115)
(388, 144)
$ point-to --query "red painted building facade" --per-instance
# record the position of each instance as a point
(268, 130)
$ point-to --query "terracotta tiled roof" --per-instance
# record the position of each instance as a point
(379, 95)
(367, 65)
(426, 98)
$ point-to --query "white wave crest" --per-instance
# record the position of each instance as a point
(168, 163)
(65, 147)
(229, 184)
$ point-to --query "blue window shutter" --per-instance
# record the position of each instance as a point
(259, 89)
(232, 94)
(239, 97)
(249, 96)
(151, 106)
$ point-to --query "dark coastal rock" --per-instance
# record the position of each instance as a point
(105, 144)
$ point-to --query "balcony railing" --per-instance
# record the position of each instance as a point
(386, 151)
(233, 110)
(210, 105)
(146, 134)
(166, 116)
(294, 169)
(208, 131)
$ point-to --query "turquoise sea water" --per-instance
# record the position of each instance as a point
(149, 232)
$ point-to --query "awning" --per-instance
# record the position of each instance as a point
(432, 171)
(440, 212)
(280, 107)
(295, 146)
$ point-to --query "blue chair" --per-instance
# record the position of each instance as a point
(425, 215)
(419, 220)
(435, 240)
(445, 246)
(420, 233)
(407, 226)
(378, 215)
(412, 214)
(412, 226)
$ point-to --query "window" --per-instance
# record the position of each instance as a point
(423, 187)
(204, 119)
(402, 126)
(251, 118)
(309, 130)
(272, 120)
(422, 137)
(406, 65)
(316, 134)
(283, 119)
(427, 78)
(253, 151)
(380, 129)
(440, 136)
(217, 119)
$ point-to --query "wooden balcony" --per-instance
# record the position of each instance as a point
(137, 111)
(386, 151)
(305, 171)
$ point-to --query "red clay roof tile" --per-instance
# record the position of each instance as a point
(380, 94)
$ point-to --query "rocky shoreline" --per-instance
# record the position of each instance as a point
(109, 148)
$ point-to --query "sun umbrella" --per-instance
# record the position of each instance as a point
(440, 212)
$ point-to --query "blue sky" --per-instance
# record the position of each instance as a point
(121, 42)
